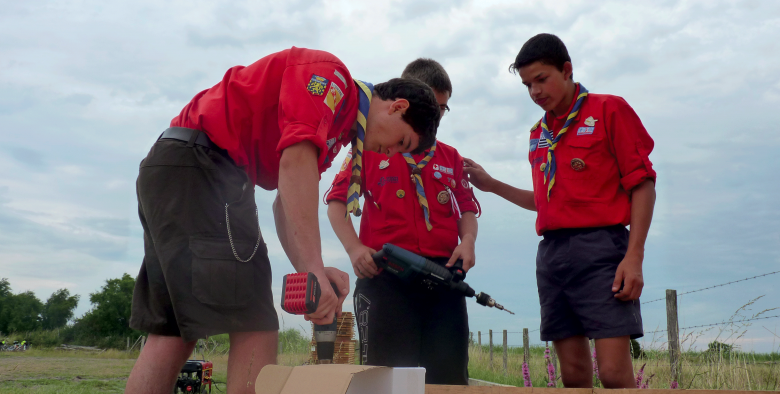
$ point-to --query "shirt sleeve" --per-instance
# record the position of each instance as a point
(631, 143)
(309, 99)
(463, 194)
(340, 186)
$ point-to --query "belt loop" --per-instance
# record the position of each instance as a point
(193, 137)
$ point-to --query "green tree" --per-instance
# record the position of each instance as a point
(24, 312)
(58, 309)
(110, 313)
(5, 295)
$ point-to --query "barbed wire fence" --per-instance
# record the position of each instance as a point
(672, 329)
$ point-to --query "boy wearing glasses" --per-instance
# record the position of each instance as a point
(423, 204)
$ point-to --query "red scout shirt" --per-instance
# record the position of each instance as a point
(397, 217)
(257, 111)
(609, 138)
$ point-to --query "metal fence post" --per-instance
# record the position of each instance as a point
(673, 328)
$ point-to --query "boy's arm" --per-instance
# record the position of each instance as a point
(629, 272)
(359, 254)
(295, 213)
(467, 230)
(483, 181)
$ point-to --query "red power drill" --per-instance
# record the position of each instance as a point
(301, 296)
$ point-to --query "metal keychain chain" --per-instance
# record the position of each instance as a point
(230, 236)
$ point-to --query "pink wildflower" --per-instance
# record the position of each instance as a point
(640, 375)
(595, 364)
(646, 384)
(674, 384)
(526, 375)
(550, 368)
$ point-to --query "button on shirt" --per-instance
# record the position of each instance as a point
(257, 111)
(390, 216)
(603, 155)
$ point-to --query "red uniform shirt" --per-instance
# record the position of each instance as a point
(608, 137)
(257, 111)
(391, 211)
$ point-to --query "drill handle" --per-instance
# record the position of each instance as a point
(458, 274)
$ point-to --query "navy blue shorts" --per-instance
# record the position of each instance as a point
(575, 269)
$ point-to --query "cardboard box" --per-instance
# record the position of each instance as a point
(340, 379)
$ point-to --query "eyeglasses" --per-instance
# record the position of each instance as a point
(444, 108)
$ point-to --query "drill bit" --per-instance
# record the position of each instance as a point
(488, 301)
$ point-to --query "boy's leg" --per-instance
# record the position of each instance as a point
(445, 329)
(158, 365)
(249, 353)
(387, 322)
(615, 365)
(574, 357)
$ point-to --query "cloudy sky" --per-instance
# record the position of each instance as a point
(86, 87)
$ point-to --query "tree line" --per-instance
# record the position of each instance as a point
(24, 315)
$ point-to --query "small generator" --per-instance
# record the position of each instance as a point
(195, 377)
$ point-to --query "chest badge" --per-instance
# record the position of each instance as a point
(542, 166)
(437, 175)
(443, 197)
(384, 164)
(577, 164)
(590, 121)
(452, 183)
(400, 193)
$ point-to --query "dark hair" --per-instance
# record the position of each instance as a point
(431, 73)
(546, 48)
(423, 111)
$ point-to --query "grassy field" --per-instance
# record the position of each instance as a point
(701, 370)
(80, 372)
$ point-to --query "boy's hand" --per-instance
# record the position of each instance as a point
(362, 262)
(464, 251)
(477, 175)
(629, 273)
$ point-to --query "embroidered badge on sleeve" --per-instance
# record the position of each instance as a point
(333, 98)
(317, 85)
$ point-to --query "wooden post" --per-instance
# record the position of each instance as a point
(471, 338)
(491, 349)
(479, 339)
(672, 329)
(526, 346)
(505, 345)
(128, 343)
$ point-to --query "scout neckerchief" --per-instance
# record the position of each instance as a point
(353, 194)
(549, 168)
(417, 178)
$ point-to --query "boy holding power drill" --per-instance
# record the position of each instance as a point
(591, 178)
(422, 203)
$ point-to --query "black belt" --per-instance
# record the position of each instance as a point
(190, 136)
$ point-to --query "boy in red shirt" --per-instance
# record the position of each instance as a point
(400, 324)
(277, 123)
(591, 177)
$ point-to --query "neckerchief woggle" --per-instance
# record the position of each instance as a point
(549, 167)
(353, 193)
(417, 178)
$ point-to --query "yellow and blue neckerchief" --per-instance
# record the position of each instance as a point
(353, 194)
(549, 167)
(417, 178)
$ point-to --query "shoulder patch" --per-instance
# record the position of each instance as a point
(333, 98)
(317, 85)
(535, 126)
